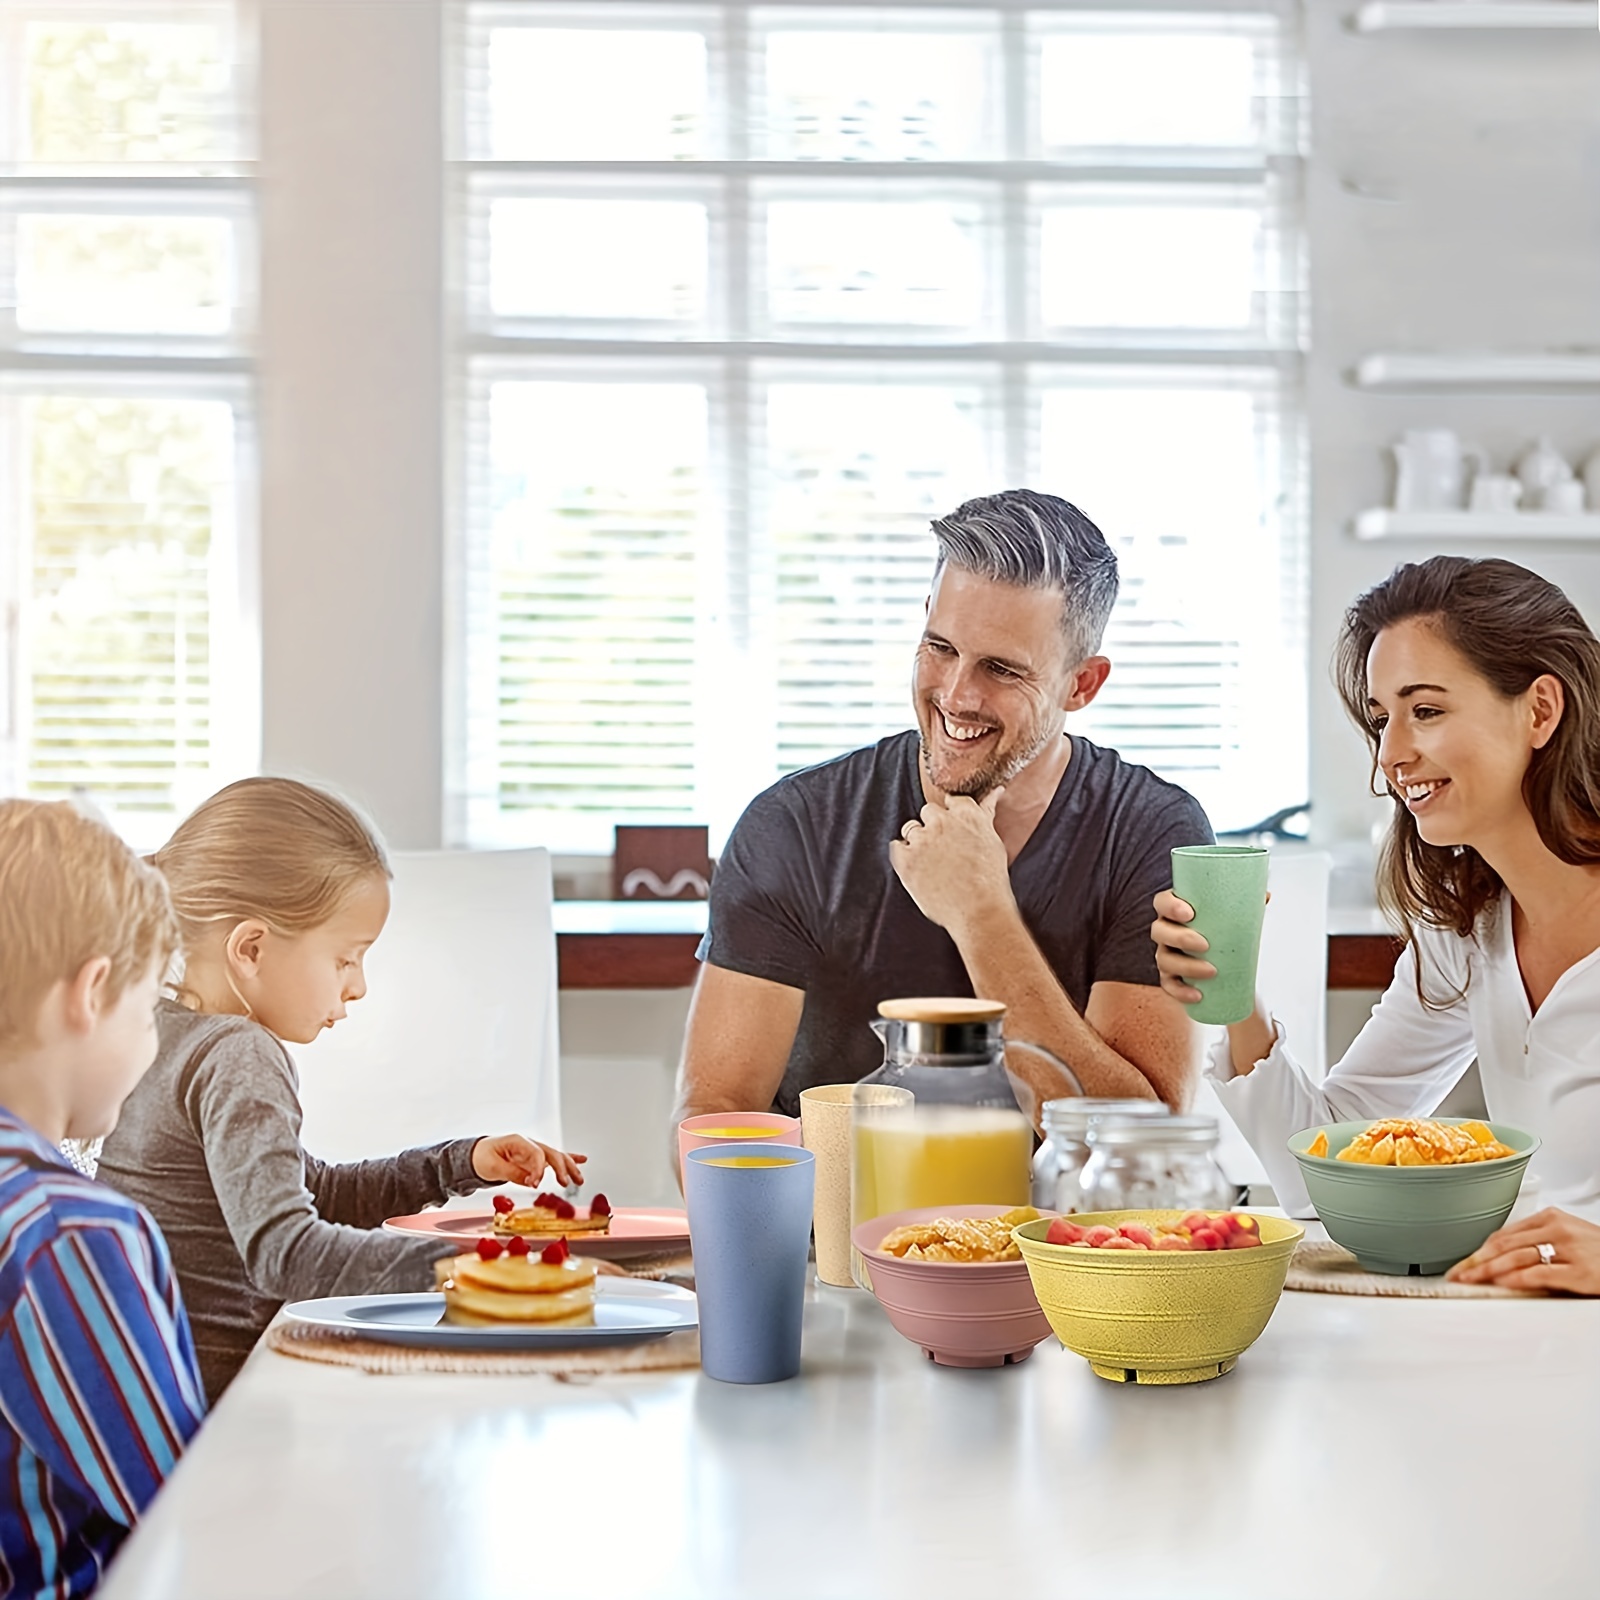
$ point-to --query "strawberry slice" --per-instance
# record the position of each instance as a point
(517, 1246)
(504, 1204)
(599, 1206)
(490, 1249)
(555, 1253)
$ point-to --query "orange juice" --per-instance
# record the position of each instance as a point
(748, 1161)
(940, 1156)
(736, 1133)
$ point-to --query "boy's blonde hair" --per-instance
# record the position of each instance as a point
(70, 891)
(268, 849)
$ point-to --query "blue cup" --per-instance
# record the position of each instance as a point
(750, 1229)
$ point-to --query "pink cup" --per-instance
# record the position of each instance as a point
(734, 1127)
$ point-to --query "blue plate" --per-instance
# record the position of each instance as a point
(626, 1311)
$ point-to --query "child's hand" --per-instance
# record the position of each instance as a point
(509, 1158)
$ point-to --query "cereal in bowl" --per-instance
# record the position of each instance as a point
(1417, 1142)
(969, 1240)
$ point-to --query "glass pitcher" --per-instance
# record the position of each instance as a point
(953, 1052)
(938, 1124)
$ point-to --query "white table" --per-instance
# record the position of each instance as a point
(1363, 1447)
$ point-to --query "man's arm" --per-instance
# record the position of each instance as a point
(1134, 1042)
(736, 1043)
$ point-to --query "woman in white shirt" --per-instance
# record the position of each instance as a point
(1477, 684)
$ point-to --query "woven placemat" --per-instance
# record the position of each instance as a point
(1324, 1268)
(677, 1265)
(676, 1351)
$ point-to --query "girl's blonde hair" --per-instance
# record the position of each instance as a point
(271, 850)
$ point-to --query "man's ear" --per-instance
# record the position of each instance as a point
(242, 947)
(1088, 678)
(85, 999)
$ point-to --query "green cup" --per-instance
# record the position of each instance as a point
(1227, 886)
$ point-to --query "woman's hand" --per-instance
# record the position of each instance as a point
(1180, 951)
(1510, 1258)
(509, 1158)
(1180, 960)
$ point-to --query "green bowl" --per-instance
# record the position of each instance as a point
(1414, 1221)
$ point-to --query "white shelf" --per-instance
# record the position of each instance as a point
(1512, 526)
(1380, 16)
(1393, 369)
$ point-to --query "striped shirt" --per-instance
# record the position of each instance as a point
(99, 1391)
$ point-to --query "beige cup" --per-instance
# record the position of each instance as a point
(825, 1132)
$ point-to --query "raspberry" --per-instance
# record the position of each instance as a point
(504, 1204)
(599, 1206)
(564, 1209)
(490, 1249)
(554, 1254)
(517, 1246)
(547, 1202)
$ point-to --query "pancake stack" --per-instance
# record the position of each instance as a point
(550, 1215)
(508, 1288)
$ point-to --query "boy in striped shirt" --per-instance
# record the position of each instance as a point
(99, 1391)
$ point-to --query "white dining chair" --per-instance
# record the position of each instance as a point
(1292, 978)
(457, 1033)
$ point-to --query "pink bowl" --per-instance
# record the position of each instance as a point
(980, 1314)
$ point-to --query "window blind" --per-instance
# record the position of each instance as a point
(125, 243)
(751, 294)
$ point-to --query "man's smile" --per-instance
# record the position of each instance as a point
(964, 732)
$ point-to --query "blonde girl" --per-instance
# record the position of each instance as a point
(280, 890)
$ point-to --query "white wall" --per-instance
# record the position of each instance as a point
(1453, 201)
(352, 383)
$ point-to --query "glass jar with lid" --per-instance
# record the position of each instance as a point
(1058, 1163)
(1153, 1164)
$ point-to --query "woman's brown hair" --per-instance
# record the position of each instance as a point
(1512, 626)
(270, 849)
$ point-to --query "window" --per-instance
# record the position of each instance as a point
(125, 294)
(749, 294)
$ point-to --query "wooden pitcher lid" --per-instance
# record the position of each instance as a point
(942, 1010)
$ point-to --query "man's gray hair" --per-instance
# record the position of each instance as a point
(1036, 541)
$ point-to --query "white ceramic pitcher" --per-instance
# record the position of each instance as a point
(1432, 470)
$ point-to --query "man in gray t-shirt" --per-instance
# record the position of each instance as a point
(986, 853)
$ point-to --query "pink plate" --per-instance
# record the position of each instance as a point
(635, 1230)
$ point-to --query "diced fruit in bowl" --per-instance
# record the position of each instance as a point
(1196, 1230)
(1178, 1309)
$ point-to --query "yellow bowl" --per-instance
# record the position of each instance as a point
(1157, 1316)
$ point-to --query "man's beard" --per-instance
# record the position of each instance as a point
(1001, 770)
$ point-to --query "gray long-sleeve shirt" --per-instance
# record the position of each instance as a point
(209, 1144)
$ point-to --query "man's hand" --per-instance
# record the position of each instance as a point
(952, 862)
(509, 1158)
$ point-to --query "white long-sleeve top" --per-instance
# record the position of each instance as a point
(1540, 1070)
